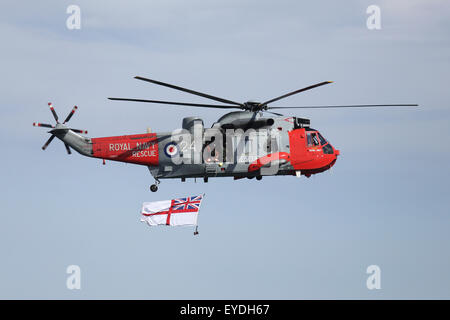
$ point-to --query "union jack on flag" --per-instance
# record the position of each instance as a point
(189, 203)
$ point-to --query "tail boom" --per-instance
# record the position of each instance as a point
(138, 149)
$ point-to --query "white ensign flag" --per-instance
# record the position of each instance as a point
(176, 212)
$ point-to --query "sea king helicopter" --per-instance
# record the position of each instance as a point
(250, 143)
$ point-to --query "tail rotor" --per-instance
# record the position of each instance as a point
(58, 127)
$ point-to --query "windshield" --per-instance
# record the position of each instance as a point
(322, 139)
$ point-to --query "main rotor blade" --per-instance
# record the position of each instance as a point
(275, 113)
(37, 124)
(295, 92)
(67, 148)
(177, 103)
(349, 106)
(70, 114)
(204, 95)
(53, 111)
(48, 142)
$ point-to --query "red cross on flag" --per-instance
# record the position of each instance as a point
(176, 212)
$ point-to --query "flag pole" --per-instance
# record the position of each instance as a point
(196, 226)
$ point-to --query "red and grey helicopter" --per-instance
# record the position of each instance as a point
(250, 143)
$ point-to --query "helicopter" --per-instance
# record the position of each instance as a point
(250, 143)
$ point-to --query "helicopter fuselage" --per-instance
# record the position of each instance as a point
(241, 144)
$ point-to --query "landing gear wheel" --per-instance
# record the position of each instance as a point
(153, 188)
(258, 178)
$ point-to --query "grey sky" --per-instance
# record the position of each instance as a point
(385, 202)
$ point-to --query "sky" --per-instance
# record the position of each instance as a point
(384, 203)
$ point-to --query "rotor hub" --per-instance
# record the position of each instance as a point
(253, 106)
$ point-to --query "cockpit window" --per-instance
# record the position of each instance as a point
(322, 139)
(312, 139)
(327, 149)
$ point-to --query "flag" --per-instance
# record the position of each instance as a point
(176, 212)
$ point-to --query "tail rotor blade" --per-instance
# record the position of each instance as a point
(53, 111)
(48, 142)
(70, 114)
(67, 148)
(79, 131)
(45, 125)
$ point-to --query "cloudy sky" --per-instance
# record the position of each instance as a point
(384, 203)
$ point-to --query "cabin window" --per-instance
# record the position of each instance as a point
(312, 139)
